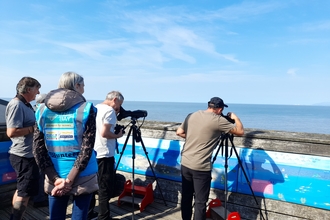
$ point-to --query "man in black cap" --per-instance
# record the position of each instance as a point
(201, 131)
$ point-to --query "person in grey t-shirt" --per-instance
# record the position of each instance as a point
(20, 121)
(202, 130)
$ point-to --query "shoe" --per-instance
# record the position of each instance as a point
(40, 204)
(92, 216)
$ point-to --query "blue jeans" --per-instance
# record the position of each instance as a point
(194, 184)
(58, 205)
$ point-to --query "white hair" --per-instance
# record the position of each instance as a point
(68, 80)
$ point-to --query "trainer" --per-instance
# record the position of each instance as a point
(202, 130)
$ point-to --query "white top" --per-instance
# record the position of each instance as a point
(105, 115)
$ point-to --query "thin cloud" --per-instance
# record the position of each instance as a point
(316, 26)
(94, 49)
(19, 52)
(240, 12)
(175, 38)
(211, 77)
(292, 71)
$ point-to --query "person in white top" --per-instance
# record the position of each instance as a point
(105, 146)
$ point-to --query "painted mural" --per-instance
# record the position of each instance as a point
(7, 173)
(295, 178)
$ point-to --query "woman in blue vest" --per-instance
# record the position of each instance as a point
(63, 147)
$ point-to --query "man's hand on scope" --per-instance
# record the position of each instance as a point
(238, 129)
(120, 133)
(232, 116)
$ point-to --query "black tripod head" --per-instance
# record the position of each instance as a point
(223, 144)
(225, 136)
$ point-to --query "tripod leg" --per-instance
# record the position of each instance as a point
(133, 167)
(226, 176)
(249, 183)
(217, 152)
(245, 175)
(122, 151)
(152, 169)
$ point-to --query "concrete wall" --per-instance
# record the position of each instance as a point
(306, 145)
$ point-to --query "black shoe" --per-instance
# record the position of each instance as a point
(92, 215)
(40, 204)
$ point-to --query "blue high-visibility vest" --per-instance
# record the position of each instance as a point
(63, 133)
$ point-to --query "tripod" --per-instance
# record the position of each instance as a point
(136, 137)
(224, 138)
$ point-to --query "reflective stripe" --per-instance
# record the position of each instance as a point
(80, 116)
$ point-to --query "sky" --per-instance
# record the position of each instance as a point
(246, 52)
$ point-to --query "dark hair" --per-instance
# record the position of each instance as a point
(25, 83)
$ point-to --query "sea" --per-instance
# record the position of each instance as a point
(291, 118)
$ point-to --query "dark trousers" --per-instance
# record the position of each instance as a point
(42, 196)
(106, 185)
(194, 183)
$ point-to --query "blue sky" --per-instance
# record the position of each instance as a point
(250, 52)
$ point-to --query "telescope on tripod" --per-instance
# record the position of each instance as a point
(136, 137)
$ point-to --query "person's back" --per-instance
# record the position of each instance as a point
(65, 127)
(204, 129)
(63, 147)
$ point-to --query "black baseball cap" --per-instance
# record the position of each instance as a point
(217, 102)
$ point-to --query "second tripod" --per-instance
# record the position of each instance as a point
(136, 137)
(223, 145)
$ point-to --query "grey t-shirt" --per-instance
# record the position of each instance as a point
(203, 130)
(18, 115)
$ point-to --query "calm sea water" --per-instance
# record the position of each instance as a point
(296, 118)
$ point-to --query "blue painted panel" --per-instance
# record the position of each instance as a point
(300, 179)
(6, 171)
(296, 178)
(164, 156)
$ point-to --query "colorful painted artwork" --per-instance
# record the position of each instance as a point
(296, 178)
(8, 174)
